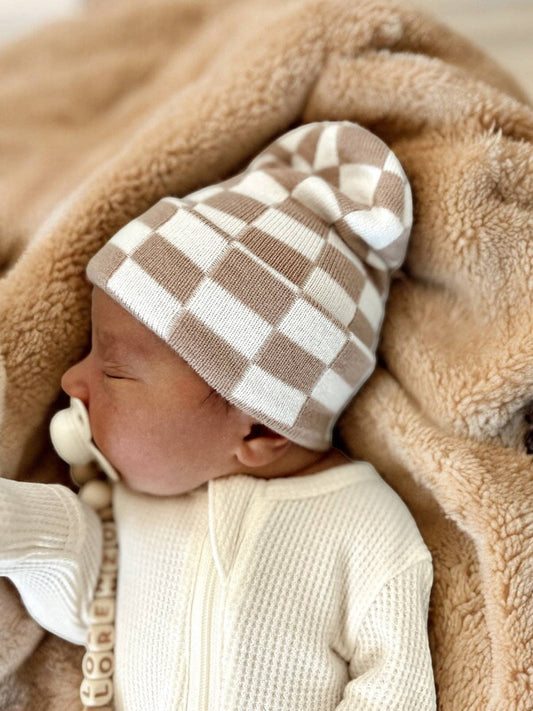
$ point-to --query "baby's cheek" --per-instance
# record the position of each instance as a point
(115, 439)
(138, 440)
(138, 437)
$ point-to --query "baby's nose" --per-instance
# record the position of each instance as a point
(74, 382)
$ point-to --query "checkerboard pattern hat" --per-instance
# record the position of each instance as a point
(272, 284)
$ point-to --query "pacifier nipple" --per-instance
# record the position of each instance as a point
(71, 436)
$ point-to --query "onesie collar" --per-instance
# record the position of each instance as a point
(230, 502)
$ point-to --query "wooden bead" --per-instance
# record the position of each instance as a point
(97, 494)
(81, 473)
(109, 532)
(101, 638)
(102, 611)
(106, 514)
(96, 692)
(106, 585)
(98, 665)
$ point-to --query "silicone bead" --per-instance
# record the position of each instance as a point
(96, 692)
(97, 494)
(98, 665)
(102, 611)
(101, 638)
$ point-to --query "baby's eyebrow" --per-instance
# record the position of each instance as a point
(109, 343)
(107, 339)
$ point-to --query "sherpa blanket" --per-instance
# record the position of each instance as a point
(104, 114)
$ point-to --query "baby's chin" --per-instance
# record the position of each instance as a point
(153, 487)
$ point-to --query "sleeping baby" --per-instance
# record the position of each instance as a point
(259, 567)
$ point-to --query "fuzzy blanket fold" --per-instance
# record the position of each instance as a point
(104, 114)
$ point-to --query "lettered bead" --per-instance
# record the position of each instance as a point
(98, 665)
(110, 560)
(102, 611)
(109, 532)
(101, 638)
(96, 692)
(97, 494)
(106, 585)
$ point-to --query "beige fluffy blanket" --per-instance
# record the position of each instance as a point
(103, 115)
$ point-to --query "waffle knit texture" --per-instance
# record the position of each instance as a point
(303, 592)
(272, 284)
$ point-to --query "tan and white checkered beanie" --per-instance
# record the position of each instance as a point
(272, 284)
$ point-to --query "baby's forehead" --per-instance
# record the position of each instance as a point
(119, 336)
(115, 329)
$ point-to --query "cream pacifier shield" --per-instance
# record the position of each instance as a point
(71, 436)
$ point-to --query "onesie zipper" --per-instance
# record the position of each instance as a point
(205, 634)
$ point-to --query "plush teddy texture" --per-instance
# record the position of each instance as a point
(105, 114)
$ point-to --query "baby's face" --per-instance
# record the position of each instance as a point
(153, 417)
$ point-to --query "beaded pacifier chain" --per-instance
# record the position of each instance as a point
(71, 436)
(98, 664)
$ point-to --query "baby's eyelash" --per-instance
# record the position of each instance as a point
(113, 377)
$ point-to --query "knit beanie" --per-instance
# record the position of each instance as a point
(272, 284)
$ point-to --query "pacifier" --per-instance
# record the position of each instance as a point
(71, 436)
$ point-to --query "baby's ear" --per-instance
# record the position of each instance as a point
(259, 430)
(261, 446)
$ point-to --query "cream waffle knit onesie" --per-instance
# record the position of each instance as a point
(290, 594)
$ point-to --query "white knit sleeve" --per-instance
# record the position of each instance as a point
(391, 665)
(50, 548)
